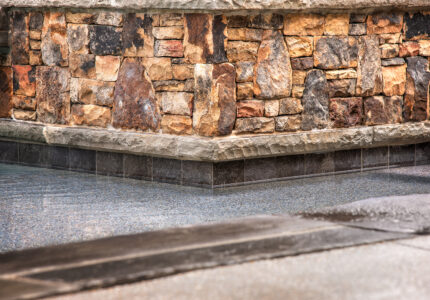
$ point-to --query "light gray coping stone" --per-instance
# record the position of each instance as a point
(216, 149)
(223, 5)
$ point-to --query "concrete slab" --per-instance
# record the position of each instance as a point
(422, 243)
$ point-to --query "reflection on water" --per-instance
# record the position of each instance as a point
(42, 207)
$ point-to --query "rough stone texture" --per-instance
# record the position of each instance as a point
(35, 58)
(265, 21)
(205, 38)
(346, 112)
(389, 50)
(299, 46)
(19, 37)
(36, 20)
(6, 90)
(137, 36)
(244, 34)
(397, 61)
(107, 67)
(109, 18)
(55, 50)
(35, 45)
(290, 106)
(244, 91)
(272, 74)
(336, 24)
(390, 38)
(384, 23)
(341, 74)
(416, 26)
(52, 95)
(77, 37)
(383, 110)
(82, 65)
(298, 77)
(24, 115)
(168, 33)
(357, 29)
(335, 52)
(409, 49)
(135, 105)
(24, 102)
(170, 48)
(172, 124)
(255, 125)
(176, 103)
(105, 40)
(24, 80)
(288, 123)
(214, 99)
(92, 115)
(95, 92)
(158, 68)
(417, 89)
(271, 108)
(315, 101)
(238, 51)
(424, 47)
(173, 86)
(244, 71)
(35, 35)
(369, 72)
(182, 72)
(172, 19)
(250, 108)
(297, 91)
(341, 88)
(302, 63)
(303, 24)
(80, 17)
(394, 80)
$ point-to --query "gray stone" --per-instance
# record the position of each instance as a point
(315, 101)
(335, 52)
(105, 40)
(357, 29)
(369, 70)
(290, 106)
(341, 87)
(397, 61)
(288, 123)
(255, 125)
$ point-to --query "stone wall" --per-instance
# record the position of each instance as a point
(215, 75)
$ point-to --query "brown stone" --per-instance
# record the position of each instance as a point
(35, 58)
(168, 33)
(290, 106)
(380, 110)
(182, 72)
(397, 61)
(176, 103)
(36, 21)
(35, 34)
(341, 74)
(335, 52)
(82, 65)
(170, 48)
(266, 21)
(271, 108)
(106, 40)
(214, 99)
(238, 51)
(288, 123)
(409, 49)
(205, 38)
(424, 47)
(298, 77)
(244, 34)
(170, 86)
(357, 29)
(109, 18)
(180, 125)
(24, 81)
(244, 90)
(107, 67)
(20, 45)
(390, 38)
(255, 125)
(95, 92)
(35, 45)
(91, 115)
(55, 50)
(244, 71)
(336, 24)
(342, 87)
(394, 80)
(137, 36)
(417, 89)
(158, 68)
(297, 91)
(237, 21)
(6, 91)
(272, 74)
(24, 115)
(171, 20)
(346, 112)
(53, 99)
(77, 37)
(369, 74)
(357, 18)
(250, 108)
(389, 50)
(24, 102)
(394, 109)
(303, 24)
(80, 17)
(302, 63)
(384, 23)
(300, 45)
(135, 105)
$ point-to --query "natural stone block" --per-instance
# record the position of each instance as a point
(77, 37)
(96, 92)
(173, 86)
(6, 91)
(176, 103)
(341, 74)
(335, 52)
(299, 77)
(52, 95)
(20, 45)
(35, 58)
(244, 71)
(244, 90)
(255, 125)
(342, 87)
(237, 21)
(24, 102)
(271, 108)
(424, 47)
(244, 34)
(205, 38)
(357, 18)
(158, 68)
(91, 115)
(109, 18)
(35, 35)
(346, 112)
(389, 50)
(288, 123)
(380, 110)
(266, 21)
(290, 106)
(107, 67)
(238, 51)
(299, 45)
(302, 63)
(24, 80)
(182, 72)
(297, 91)
(315, 101)
(24, 115)
(303, 24)
(384, 23)
(417, 89)
(369, 73)
(35, 45)
(170, 48)
(55, 50)
(390, 38)
(357, 29)
(168, 33)
(80, 17)
(272, 74)
(336, 24)
(409, 49)
(137, 35)
(172, 124)
(83, 65)
(74, 90)
(36, 21)
(105, 40)
(214, 99)
(417, 26)
(250, 108)
(171, 20)
(394, 80)
(397, 61)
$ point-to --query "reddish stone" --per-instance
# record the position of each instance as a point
(250, 108)
(346, 112)
(135, 105)
(137, 36)
(409, 49)
(342, 87)
(5, 91)
(24, 102)
(169, 48)
(55, 50)
(302, 63)
(24, 82)
(380, 110)
(20, 46)
(83, 65)
(417, 89)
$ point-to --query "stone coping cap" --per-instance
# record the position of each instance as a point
(224, 5)
(216, 149)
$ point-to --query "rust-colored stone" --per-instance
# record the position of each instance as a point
(175, 19)
(80, 17)
(380, 110)
(254, 125)
(336, 24)
(137, 36)
(384, 23)
(238, 51)
(6, 91)
(35, 35)
(369, 73)
(416, 106)
(35, 58)
(35, 45)
(250, 108)
(82, 65)
(24, 81)
(409, 49)
(55, 50)
(91, 115)
(20, 46)
(245, 91)
(182, 72)
(298, 77)
(168, 33)
(244, 71)
(158, 68)
(424, 47)
(95, 92)
(303, 24)
(169, 48)
(109, 18)
(300, 45)
(24, 102)
(390, 38)
(346, 112)
(265, 21)
(389, 50)
(342, 87)
(244, 34)
(180, 125)
(394, 80)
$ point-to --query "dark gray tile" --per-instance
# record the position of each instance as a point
(197, 173)
(109, 163)
(422, 153)
(166, 170)
(24, 289)
(82, 160)
(33, 154)
(138, 167)
(375, 157)
(347, 160)
(260, 169)
(58, 157)
(291, 165)
(8, 151)
(402, 155)
(228, 172)
(319, 163)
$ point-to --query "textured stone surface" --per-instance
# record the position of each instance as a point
(182, 72)
(105, 40)
(341, 74)
(78, 39)
(357, 29)
(82, 65)
(416, 26)
(137, 36)
(336, 24)
(369, 72)
(272, 73)
(394, 80)
(91, 115)
(290, 106)
(53, 100)
(244, 91)
(238, 51)
(168, 33)
(409, 49)
(176, 124)
(35, 45)
(384, 23)
(36, 20)
(19, 38)
(55, 50)
(24, 102)
(6, 90)
(346, 112)
(390, 38)
(298, 77)
(315, 101)
(170, 48)
(158, 68)
(417, 89)
(250, 108)
(424, 47)
(265, 21)
(95, 92)
(107, 67)
(176, 103)
(244, 34)
(271, 108)
(341, 87)
(109, 18)
(80, 17)
(389, 50)
(171, 19)
(397, 61)
(214, 99)
(244, 71)
(335, 52)
(383, 110)
(302, 63)
(24, 115)
(288, 123)
(299, 45)
(255, 125)
(303, 24)
(24, 80)
(35, 34)
(35, 58)
(135, 105)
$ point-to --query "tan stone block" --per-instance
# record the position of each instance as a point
(80, 18)
(336, 24)
(171, 19)
(389, 50)
(107, 67)
(255, 125)
(170, 48)
(168, 33)
(245, 90)
(271, 108)
(288, 123)
(91, 115)
(35, 58)
(172, 124)
(244, 34)
(169, 86)
(244, 71)
(25, 115)
(96, 92)
(176, 103)
(155, 20)
(394, 78)
(250, 108)
(77, 38)
(290, 106)
(158, 68)
(82, 65)
(409, 49)
(35, 45)
(300, 45)
(238, 51)
(341, 74)
(303, 24)
(74, 90)
(424, 47)
(299, 77)
(109, 18)
(35, 34)
(24, 102)
(384, 23)
(297, 91)
(182, 72)
(390, 38)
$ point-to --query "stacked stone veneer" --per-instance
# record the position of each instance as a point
(216, 75)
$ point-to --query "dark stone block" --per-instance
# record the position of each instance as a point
(8, 151)
(33, 154)
(291, 165)
(197, 173)
(347, 160)
(82, 160)
(260, 169)
(58, 157)
(228, 172)
(266, 21)
(105, 40)
(319, 163)
(36, 21)
(416, 26)
(20, 46)
(166, 170)
(302, 63)
(138, 167)
(422, 153)
(402, 155)
(6, 88)
(375, 157)
(109, 163)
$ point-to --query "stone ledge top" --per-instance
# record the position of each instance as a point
(223, 5)
(216, 149)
